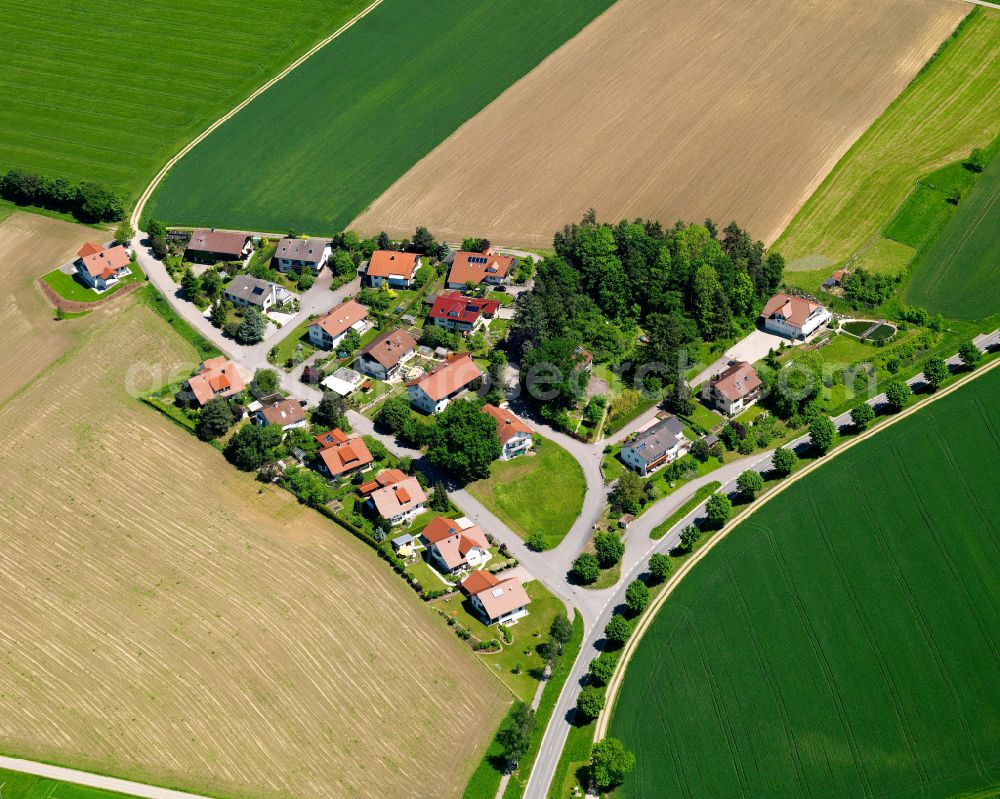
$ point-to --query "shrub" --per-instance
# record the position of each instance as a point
(535, 542)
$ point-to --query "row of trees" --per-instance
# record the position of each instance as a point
(87, 201)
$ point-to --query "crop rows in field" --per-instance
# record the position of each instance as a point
(843, 641)
(315, 149)
(957, 275)
(951, 107)
(169, 620)
(109, 92)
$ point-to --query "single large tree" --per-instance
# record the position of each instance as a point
(718, 510)
(602, 668)
(586, 569)
(251, 329)
(609, 548)
(617, 630)
(610, 761)
(515, 735)
(629, 492)
(970, 354)
(862, 415)
(749, 483)
(783, 460)
(935, 372)
(464, 441)
(394, 413)
(821, 434)
(590, 702)
(215, 420)
(636, 597)
(897, 394)
(561, 630)
(252, 446)
(659, 566)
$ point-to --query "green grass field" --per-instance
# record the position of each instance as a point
(951, 107)
(843, 641)
(535, 493)
(316, 149)
(15, 785)
(110, 92)
(957, 274)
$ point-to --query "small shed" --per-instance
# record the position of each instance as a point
(626, 520)
(403, 545)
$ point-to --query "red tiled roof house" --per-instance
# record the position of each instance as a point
(793, 317)
(397, 498)
(341, 455)
(479, 267)
(217, 377)
(452, 311)
(735, 389)
(384, 357)
(395, 269)
(455, 545)
(101, 268)
(497, 601)
(514, 434)
(328, 331)
(433, 391)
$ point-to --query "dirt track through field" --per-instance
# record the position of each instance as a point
(672, 109)
(168, 619)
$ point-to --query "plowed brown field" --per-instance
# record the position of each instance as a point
(673, 109)
(168, 619)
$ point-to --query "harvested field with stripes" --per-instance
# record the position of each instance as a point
(170, 620)
(110, 91)
(672, 109)
(845, 639)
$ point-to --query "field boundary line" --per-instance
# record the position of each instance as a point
(631, 645)
(984, 4)
(148, 192)
(90, 780)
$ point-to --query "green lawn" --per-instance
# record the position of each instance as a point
(951, 107)
(535, 493)
(843, 640)
(528, 633)
(357, 115)
(957, 274)
(164, 73)
(287, 346)
(70, 288)
(16, 785)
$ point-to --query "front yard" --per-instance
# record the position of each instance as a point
(70, 288)
(518, 663)
(540, 493)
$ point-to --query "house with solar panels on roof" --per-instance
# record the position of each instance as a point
(479, 267)
(655, 447)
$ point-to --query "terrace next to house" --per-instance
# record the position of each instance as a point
(384, 357)
(735, 389)
(497, 601)
(514, 434)
(793, 317)
(212, 246)
(329, 330)
(658, 445)
(455, 312)
(100, 267)
(391, 268)
(433, 391)
(477, 268)
(299, 254)
(455, 546)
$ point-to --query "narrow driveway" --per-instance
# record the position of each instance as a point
(114, 784)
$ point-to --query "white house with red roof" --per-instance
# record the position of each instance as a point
(793, 317)
(397, 498)
(735, 389)
(454, 545)
(453, 311)
(217, 377)
(515, 436)
(479, 267)
(497, 601)
(329, 330)
(102, 267)
(341, 455)
(395, 269)
(433, 391)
